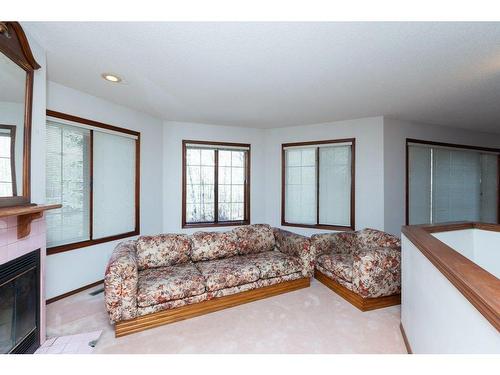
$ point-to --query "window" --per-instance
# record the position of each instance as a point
(216, 184)
(318, 184)
(92, 169)
(448, 182)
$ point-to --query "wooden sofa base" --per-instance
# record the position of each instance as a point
(142, 323)
(363, 304)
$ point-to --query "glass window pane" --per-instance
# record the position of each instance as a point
(237, 193)
(238, 176)
(68, 183)
(224, 211)
(193, 194)
(207, 194)
(224, 193)
(237, 211)
(207, 157)
(225, 175)
(207, 175)
(224, 158)
(193, 175)
(237, 158)
(193, 156)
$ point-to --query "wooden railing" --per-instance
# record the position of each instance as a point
(480, 287)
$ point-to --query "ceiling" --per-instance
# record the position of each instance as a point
(268, 75)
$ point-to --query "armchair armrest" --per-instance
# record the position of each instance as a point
(120, 282)
(296, 245)
(377, 272)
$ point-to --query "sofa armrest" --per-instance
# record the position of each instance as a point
(377, 272)
(296, 245)
(120, 282)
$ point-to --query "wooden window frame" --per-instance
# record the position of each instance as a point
(318, 225)
(246, 193)
(136, 231)
(448, 145)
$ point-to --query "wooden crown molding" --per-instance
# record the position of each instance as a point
(15, 45)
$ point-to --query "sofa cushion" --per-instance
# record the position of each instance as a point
(275, 263)
(338, 264)
(228, 272)
(256, 238)
(342, 242)
(163, 284)
(162, 250)
(213, 245)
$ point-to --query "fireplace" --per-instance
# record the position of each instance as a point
(20, 304)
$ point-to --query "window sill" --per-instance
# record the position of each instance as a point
(320, 226)
(212, 225)
(79, 245)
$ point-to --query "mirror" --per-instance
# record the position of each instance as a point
(12, 104)
(17, 66)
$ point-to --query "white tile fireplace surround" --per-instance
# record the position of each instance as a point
(11, 248)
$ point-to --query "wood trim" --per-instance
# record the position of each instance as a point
(16, 48)
(97, 124)
(318, 225)
(189, 311)
(70, 293)
(481, 288)
(449, 145)
(246, 191)
(405, 339)
(363, 304)
(77, 245)
(137, 195)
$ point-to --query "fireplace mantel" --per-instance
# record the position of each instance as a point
(25, 215)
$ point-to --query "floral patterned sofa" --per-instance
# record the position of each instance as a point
(364, 266)
(167, 271)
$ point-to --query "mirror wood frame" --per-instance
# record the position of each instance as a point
(14, 45)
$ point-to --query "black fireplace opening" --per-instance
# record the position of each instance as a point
(20, 304)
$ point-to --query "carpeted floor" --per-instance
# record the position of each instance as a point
(312, 320)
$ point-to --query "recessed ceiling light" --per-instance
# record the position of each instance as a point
(111, 77)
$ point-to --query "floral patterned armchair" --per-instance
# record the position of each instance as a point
(367, 262)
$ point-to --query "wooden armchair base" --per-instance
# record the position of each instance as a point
(142, 323)
(363, 304)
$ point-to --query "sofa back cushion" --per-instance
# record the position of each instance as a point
(335, 243)
(162, 250)
(253, 239)
(213, 245)
(372, 238)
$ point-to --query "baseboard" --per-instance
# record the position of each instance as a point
(142, 323)
(405, 339)
(70, 293)
(363, 304)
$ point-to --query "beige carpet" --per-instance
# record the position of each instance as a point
(312, 320)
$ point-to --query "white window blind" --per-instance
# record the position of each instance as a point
(318, 184)
(113, 185)
(335, 185)
(84, 167)
(67, 182)
(450, 184)
(300, 186)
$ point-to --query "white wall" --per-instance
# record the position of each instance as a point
(480, 246)
(174, 133)
(395, 134)
(436, 317)
(70, 270)
(369, 180)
